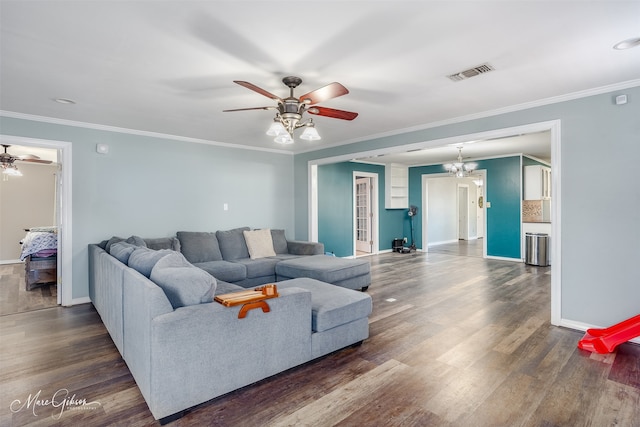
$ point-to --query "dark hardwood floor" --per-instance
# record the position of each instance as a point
(454, 341)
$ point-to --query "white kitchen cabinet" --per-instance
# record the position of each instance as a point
(537, 182)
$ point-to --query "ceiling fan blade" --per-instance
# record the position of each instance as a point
(38, 160)
(332, 90)
(257, 89)
(333, 113)
(250, 108)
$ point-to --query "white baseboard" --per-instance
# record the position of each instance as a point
(580, 326)
(504, 258)
(77, 301)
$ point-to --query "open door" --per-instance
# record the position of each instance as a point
(365, 213)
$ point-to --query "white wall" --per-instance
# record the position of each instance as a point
(27, 201)
(442, 209)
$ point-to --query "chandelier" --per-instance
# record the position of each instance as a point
(460, 169)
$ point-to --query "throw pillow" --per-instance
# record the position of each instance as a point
(144, 259)
(279, 241)
(163, 243)
(259, 243)
(232, 243)
(199, 246)
(121, 251)
(182, 283)
(137, 240)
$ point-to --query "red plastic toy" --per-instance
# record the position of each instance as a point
(606, 340)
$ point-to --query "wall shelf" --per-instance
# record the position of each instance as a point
(396, 186)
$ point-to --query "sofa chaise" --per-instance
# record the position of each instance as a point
(183, 348)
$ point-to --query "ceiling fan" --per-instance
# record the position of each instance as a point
(7, 161)
(290, 110)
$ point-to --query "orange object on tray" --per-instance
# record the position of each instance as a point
(250, 299)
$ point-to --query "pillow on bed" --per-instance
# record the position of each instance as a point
(182, 283)
(259, 243)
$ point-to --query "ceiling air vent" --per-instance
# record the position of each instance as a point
(471, 72)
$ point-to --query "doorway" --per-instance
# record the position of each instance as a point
(463, 212)
(365, 213)
(59, 217)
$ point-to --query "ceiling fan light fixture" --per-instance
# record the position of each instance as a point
(276, 128)
(284, 139)
(310, 133)
(11, 170)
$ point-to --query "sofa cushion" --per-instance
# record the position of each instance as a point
(322, 267)
(259, 267)
(183, 283)
(163, 243)
(279, 242)
(144, 259)
(199, 246)
(259, 243)
(232, 243)
(224, 270)
(331, 305)
(122, 251)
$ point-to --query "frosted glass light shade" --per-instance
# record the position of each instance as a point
(310, 134)
(284, 139)
(276, 129)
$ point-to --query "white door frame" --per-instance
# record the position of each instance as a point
(65, 249)
(553, 126)
(466, 207)
(374, 210)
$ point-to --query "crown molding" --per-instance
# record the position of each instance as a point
(107, 128)
(510, 109)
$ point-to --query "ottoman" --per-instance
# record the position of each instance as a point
(339, 316)
(348, 273)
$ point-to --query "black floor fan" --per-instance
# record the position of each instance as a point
(413, 211)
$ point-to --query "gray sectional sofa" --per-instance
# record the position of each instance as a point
(183, 348)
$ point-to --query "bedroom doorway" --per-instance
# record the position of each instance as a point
(38, 198)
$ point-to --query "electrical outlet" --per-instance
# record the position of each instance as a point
(405, 240)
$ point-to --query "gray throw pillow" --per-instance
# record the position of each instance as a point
(199, 246)
(122, 250)
(163, 243)
(137, 240)
(182, 283)
(144, 259)
(111, 241)
(279, 241)
(232, 243)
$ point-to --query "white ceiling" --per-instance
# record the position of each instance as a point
(168, 66)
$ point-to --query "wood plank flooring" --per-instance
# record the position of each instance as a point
(454, 341)
(14, 298)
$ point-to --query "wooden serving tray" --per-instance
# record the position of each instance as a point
(243, 297)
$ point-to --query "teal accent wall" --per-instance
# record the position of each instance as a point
(154, 187)
(599, 253)
(335, 208)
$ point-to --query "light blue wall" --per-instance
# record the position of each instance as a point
(153, 187)
(335, 208)
(600, 145)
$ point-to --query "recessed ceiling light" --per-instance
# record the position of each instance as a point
(627, 44)
(64, 101)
